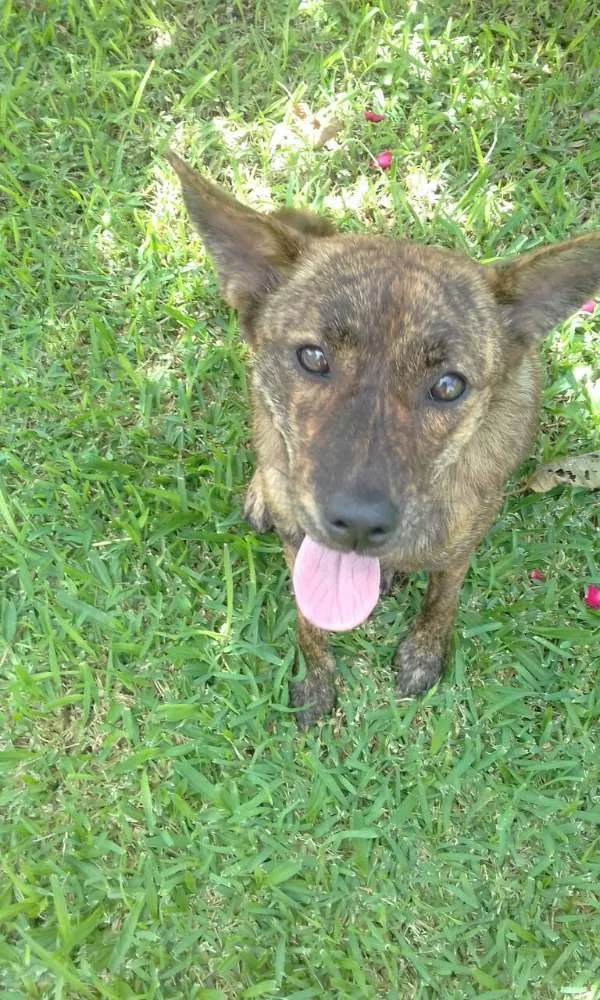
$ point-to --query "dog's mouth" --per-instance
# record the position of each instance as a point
(336, 591)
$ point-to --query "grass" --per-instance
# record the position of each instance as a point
(165, 831)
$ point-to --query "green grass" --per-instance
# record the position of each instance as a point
(165, 831)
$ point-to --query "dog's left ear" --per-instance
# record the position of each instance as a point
(537, 290)
(253, 253)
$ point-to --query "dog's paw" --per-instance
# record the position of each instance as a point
(256, 511)
(314, 697)
(419, 662)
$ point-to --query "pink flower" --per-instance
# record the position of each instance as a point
(592, 596)
(383, 160)
(536, 574)
(588, 307)
(372, 116)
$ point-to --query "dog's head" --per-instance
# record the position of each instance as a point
(382, 362)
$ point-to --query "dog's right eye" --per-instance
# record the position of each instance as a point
(448, 387)
(313, 360)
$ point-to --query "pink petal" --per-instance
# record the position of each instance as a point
(592, 596)
(372, 116)
(536, 574)
(588, 307)
(383, 160)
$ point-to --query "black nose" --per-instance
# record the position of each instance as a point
(360, 520)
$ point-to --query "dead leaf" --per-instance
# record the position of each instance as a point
(318, 128)
(570, 470)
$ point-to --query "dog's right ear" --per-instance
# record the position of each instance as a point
(253, 253)
(306, 222)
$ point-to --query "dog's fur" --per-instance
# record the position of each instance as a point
(392, 316)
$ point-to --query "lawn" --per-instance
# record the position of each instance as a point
(165, 830)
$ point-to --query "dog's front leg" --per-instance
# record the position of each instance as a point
(256, 509)
(420, 659)
(314, 696)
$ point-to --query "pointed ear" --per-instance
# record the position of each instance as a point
(306, 222)
(253, 253)
(537, 290)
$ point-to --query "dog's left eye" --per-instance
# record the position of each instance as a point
(448, 387)
(313, 360)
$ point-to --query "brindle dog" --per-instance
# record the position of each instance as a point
(394, 388)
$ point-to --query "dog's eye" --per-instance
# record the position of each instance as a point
(448, 388)
(313, 360)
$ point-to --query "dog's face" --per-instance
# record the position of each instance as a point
(379, 362)
(395, 374)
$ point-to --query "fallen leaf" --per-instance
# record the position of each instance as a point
(570, 470)
(318, 128)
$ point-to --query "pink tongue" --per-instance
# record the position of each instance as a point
(336, 591)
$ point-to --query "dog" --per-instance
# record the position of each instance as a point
(394, 388)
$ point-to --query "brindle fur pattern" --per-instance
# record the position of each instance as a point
(391, 316)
